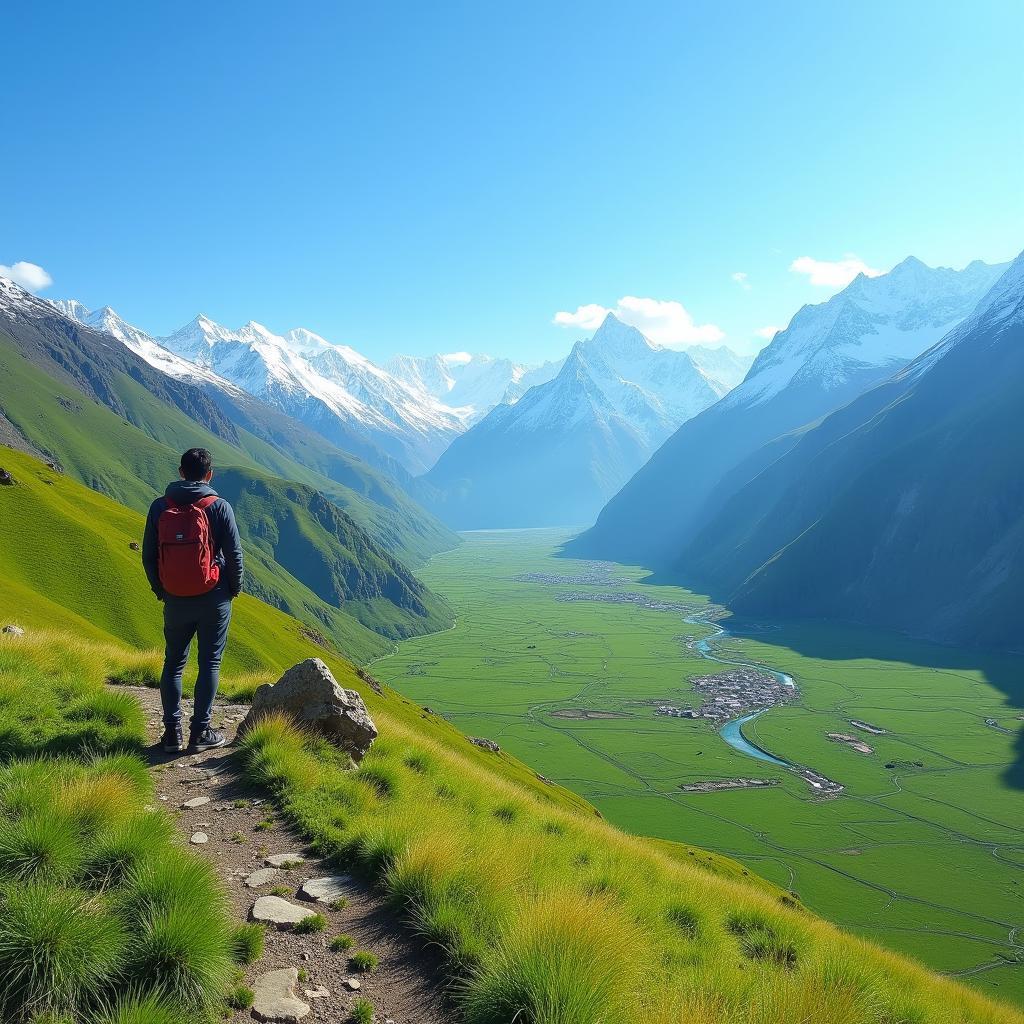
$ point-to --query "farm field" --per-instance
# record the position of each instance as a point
(564, 663)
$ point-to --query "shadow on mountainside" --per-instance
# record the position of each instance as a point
(849, 641)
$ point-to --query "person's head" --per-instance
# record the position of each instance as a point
(196, 465)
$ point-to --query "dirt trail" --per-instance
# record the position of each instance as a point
(407, 987)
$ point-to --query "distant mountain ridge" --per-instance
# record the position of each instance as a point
(902, 508)
(829, 354)
(472, 384)
(568, 444)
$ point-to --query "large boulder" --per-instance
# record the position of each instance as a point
(309, 695)
(13, 630)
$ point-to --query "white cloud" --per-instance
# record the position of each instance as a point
(768, 332)
(457, 358)
(833, 273)
(30, 276)
(740, 277)
(665, 322)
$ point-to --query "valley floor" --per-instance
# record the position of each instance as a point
(565, 662)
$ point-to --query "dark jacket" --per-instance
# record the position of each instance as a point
(227, 545)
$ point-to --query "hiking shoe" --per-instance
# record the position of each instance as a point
(207, 740)
(173, 742)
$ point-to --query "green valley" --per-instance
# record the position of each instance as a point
(563, 663)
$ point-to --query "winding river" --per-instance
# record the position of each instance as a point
(732, 732)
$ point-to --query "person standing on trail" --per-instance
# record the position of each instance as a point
(193, 559)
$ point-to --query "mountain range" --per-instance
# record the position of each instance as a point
(557, 454)
(330, 552)
(829, 354)
(898, 505)
(901, 509)
(472, 384)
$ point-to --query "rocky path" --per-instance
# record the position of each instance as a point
(269, 874)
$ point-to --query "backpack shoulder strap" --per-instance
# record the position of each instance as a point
(205, 503)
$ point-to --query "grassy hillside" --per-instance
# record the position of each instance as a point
(105, 917)
(238, 430)
(67, 546)
(113, 456)
(297, 528)
(545, 913)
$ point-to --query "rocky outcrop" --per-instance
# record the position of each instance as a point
(309, 695)
(13, 630)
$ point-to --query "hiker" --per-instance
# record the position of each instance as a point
(193, 559)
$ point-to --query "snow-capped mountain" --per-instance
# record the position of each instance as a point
(900, 509)
(568, 444)
(829, 354)
(722, 366)
(873, 326)
(330, 387)
(107, 321)
(470, 384)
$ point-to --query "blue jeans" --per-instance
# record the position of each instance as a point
(207, 618)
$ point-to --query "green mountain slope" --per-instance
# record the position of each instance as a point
(101, 367)
(112, 456)
(903, 508)
(530, 900)
(68, 568)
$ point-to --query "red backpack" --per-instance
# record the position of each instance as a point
(185, 546)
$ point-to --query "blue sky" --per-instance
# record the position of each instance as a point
(422, 177)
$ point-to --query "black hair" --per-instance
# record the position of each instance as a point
(196, 463)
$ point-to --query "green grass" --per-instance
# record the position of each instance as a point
(247, 943)
(876, 860)
(342, 943)
(362, 1011)
(312, 560)
(364, 961)
(534, 900)
(97, 897)
(579, 923)
(309, 925)
(241, 997)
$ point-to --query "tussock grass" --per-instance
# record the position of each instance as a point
(311, 923)
(58, 948)
(362, 1011)
(364, 961)
(104, 919)
(247, 943)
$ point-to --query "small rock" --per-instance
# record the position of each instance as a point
(317, 993)
(353, 984)
(163, 797)
(311, 696)
(479, 741)
(6, 480)
(261, 877)
(134, 545)
(275, 998)
(279, 860)
(275, 910)
(199, 838)
(306, 955)
(13, 630)
(325, 890)
(196, 801)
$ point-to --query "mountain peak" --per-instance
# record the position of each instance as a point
(616, 337)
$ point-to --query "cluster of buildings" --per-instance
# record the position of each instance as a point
(731, 693)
